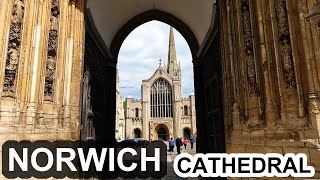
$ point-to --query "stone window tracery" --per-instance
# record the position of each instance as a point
(161, 99)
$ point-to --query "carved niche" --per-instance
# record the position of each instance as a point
(248, 46)
(52, 51)
(284, 44)
(14, 47)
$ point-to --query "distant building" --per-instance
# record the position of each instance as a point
(120, 121)
(162, 112)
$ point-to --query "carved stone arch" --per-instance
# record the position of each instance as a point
(150, 15)
(159, 129)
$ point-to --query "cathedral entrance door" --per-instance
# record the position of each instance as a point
(162, 134)
(137, 133)
(186, 133)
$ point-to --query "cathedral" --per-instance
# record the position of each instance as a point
(162, 112)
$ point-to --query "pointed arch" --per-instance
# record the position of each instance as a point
(150, 15)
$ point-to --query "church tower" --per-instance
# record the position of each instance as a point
(173, 69)
(174, 72)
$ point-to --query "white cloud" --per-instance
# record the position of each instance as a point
(140, 53)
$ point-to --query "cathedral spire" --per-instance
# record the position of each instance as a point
(172, 59)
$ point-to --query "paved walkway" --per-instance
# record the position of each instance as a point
(170, 172)
(170, 157)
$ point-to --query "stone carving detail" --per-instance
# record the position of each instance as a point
(14, 46)
(248, 46)
(285, 44)
(52, 51)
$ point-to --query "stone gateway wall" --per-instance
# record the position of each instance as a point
(41, 55)
(271, 79)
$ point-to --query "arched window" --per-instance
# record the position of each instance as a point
(161, 99)
(186, 110)
(137, 112)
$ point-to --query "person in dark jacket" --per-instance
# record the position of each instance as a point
(191, 141)
(178, 144)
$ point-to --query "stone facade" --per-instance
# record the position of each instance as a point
(274, 53)
(120, 120)
(41, 62)
(40, 69)
(149, 116)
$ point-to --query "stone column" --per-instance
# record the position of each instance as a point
(68, 63)
(309, 28)
(40, 16)
(193, 115)
(176, 108)
(128, 118)
(73, 61)
(293, 25)
(146, 110)
(308, 47)
(270, 109)
(232, 66)
(77, 67)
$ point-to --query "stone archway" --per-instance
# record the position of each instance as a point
(186, 132)
(161, 132)
(207, 73)
(142, 18)
(150, 15)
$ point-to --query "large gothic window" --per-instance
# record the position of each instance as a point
(161, 99)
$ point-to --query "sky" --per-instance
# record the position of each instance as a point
(140, 54)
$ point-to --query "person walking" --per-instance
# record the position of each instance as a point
(171, 146)
(178, 144)
(185, 142)
(191, 141)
